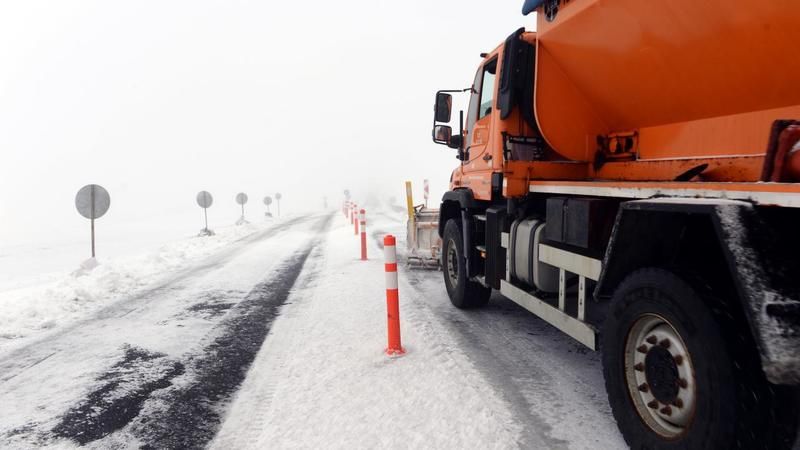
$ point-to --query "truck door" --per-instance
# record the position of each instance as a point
(477, 166)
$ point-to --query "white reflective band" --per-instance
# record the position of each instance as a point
(391, 280)
(390, 254)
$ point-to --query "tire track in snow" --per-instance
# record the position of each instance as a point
(535, 432)
(213, 262)
(550, 388)
(259, 399)
(188, 415)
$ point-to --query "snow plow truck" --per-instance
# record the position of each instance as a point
(630, 173)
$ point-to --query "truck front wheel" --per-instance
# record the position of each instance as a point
(680, 376)
(463, 292)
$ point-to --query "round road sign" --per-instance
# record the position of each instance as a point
(278, 196)
(204, 199)
(92, 201)
(268, 200)
(241, 198)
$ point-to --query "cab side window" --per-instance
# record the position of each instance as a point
(480, 103)
(474, 101)
(487, 89)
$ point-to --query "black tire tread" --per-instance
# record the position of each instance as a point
(746, 412)
(467, 293)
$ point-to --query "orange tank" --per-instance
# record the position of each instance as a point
(655, 91)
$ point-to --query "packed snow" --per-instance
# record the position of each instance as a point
(323, 380)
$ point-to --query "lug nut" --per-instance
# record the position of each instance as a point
(683, 383)
(642, 349)
(678, 403)
(679, 359)
(639, 367)
(652, 340)
(653, 405)
(664, 343)
(644, 387)
(666, 411)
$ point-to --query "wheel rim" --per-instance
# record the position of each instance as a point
(452, 263)
(660, 376)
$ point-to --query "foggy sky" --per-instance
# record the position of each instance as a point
(156, 100)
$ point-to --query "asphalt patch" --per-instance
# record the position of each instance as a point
(209, 309)
(119, 398)
(213, 304)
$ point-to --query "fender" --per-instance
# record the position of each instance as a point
(747, 251)
(453, 202)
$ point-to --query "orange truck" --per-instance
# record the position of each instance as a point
(629, 173)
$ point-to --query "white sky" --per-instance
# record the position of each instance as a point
(156, 100)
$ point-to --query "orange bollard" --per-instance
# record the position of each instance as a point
(392, 297)
(363, 219)
(355, 227)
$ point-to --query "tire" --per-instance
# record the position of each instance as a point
(463, 293)
(716, 394)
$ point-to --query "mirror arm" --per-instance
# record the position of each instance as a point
(461, 127)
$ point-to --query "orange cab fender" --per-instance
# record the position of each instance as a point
(455, 201)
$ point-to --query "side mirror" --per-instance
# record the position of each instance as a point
(444, 104)
(442, 134)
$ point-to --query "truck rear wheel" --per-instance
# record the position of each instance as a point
(678, 377)
(463, 292)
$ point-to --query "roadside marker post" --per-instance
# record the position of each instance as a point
(355, 228)
(346, 202)
(352, 213)
(363, 219)
(395, 347)
(205, 200)
(92, 202)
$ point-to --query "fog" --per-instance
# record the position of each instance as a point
(158, 100)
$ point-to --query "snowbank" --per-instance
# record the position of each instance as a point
(59, 299)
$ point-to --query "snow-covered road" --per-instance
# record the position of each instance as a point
(276, 341)
(101, 380)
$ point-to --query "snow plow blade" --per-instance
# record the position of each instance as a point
(424, 243)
